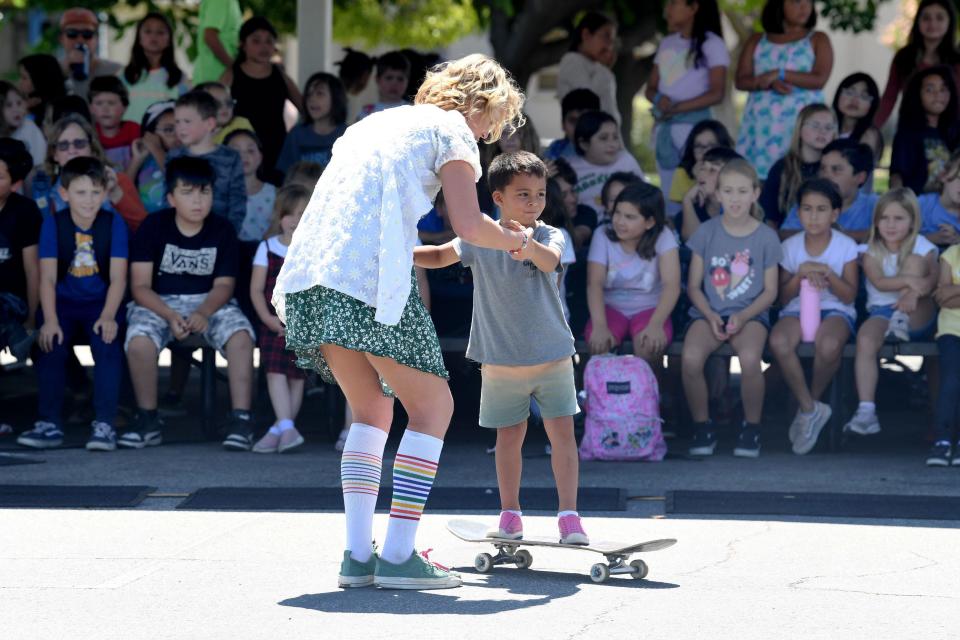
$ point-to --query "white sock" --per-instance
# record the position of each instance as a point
(285, 425)
(275, 430)
(567, 513)
(516, 513)
(414, 469)
(867, 407)
(360, 477)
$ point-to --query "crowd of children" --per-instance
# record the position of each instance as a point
(141, 211)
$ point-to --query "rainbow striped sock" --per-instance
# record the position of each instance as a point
(360, 479)
(414, 469)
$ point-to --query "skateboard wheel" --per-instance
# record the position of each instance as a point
(483, 562)
(599, 572)
(523, 559)
(640, 569)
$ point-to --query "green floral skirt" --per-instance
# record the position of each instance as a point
(319, 316)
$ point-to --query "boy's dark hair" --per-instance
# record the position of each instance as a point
(626, 178)
(211, 84)
(508, 165)
(721, 155)
(859, 155)
(86, 167)
(587, 127)
(202, 101)
(772, 17)
(109, 84)
(823, 187)
(393, 60)
(338, 97)
(354, 66)
(193, 172)
(579, 100)
(62, 107)
(14, 154)
(719, 132)
(565, 172)
(648, 200)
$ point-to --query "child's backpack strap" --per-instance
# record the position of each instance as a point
(102, 232)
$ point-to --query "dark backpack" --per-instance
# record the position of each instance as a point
(102, 232)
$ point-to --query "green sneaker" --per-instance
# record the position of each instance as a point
(417, 572)
(354, 573)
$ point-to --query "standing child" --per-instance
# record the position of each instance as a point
(108, 102)
(633, 277)
(260, 195)
(927, 130)
(593, 52)
(218, 29)
(518, 363)
(702, 201)
(324, 120)
(15, 124)
(284, 379)
(855, 105)
(196, 119)
(393, 76)
(945, 447)
(940, 212)
(83, 278)
(149, 154)
(732, 283)
(689, 76)
(153, 74)
(902, 273)
(827, 260)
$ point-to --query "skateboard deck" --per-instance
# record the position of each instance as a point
(509, 551)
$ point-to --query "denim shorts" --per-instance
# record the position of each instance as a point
(828, 313)
(505, 392)
(886, 311)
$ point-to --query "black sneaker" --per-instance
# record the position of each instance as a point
(704, 440)
(748, 442)
(171, 406)
(145, 431)
(239, 430)
(939, 455)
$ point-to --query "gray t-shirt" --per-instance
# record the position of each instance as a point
(733, 266)
(517, 316)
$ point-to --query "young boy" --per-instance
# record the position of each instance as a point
(83, 278)
(848, 164)
(196, 120)
(182, 274)
(940, 212)
(393, 75)
(20, 222)
(572, 106)
(227, 122)
(108, 101)
(521, 339)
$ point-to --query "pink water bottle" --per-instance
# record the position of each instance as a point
(809, 310)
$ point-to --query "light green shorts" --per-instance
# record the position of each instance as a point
(506, 391)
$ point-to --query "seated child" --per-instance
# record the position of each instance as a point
(108, 100)
(393, 76)
(731, 284)
(616, 183)
(284, 379)
(633, 277)
(584, 218)
(324, 121)
(704, 136)
(227, 122)
(520, 359)
(305, 173)
(260, 195)
(83, 278)
(901, 272)
(15, 124)
(945, 449)
(182, 273)
(149, 154)
(701, 203)
(20, 222)
(940, 210)
(573, 105)
(847, 164)
(827, 259)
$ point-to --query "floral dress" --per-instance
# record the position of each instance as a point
(769, 118)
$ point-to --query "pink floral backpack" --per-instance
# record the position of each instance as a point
(623, 410)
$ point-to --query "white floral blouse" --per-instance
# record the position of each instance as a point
(359, 229)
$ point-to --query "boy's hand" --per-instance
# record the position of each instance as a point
(50, 335)
(178, 326)
(106, 327)
(601, 340)
(275, 325)
(197, 322)
(717, 327)
(654, 338)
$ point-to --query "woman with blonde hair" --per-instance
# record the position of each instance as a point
(348, 296)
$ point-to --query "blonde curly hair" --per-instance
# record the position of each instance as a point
(475, 85)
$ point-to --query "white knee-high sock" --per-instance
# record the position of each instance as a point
(413, 472)
(360, 478)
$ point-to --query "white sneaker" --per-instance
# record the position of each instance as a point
(899, 328)
(864, 423)
(341, 439)
(796, 426)
(807, 437)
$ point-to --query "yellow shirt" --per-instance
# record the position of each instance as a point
(237, 123)
(681, 184)
(948, 322)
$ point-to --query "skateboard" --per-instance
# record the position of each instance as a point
(617, 554)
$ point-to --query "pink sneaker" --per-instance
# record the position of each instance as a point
(571, 530)
(267, 444)
(289, 439)
(511, 527)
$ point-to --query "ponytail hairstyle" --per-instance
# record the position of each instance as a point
(139, 66)
(291, 199)
(705, 20)
(905, 197)
(792, 162)
(247, 29)
(592, 21)
(741, 167)
(648, 200)
(355, 69)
